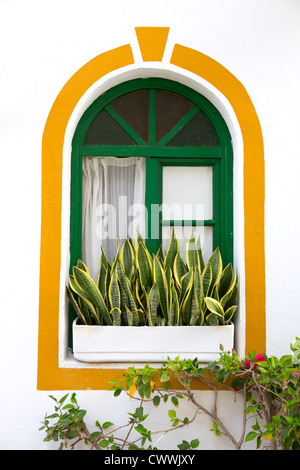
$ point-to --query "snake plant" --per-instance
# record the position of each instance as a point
(138, 288)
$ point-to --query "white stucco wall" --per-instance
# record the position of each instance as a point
(43, 45)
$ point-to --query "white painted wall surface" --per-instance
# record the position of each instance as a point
(43, 45)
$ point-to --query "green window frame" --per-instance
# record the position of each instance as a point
(159, 153)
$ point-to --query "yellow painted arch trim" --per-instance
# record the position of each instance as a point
(50, 375)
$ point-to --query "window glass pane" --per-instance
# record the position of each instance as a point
(197, 132)
(170, 108)
(106, 131)
(187, 193)
(134, 109)
(184, 233)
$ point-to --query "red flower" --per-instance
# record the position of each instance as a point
(258, 358)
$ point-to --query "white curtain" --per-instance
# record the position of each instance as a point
(113, 205)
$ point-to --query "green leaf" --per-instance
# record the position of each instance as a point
(63, 399)
(104, 443)
(80, 414)
(174, 400)
(156, 400)
(95, 435)
(140, 429)
(185, 445)
(250, 436)
(172, 413)
(195, 443)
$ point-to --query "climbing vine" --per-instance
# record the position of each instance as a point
(269, 387)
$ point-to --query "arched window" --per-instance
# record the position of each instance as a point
(150, 155)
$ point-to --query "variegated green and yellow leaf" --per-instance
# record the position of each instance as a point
(192, 256)
(116, 316)
(101, 280)
(127, 258)
(84, 296)
(174, 309)
(229, 313)
(213, 319)
(114, 292)
(173, 249)
(76, 307)
(229, 298)
(103, 259)
(87, 284)
(185, 282)
(77, 289)
(214, 306)
(80, 264)
(132, 317)
(197, 318)
(87, 310)
(153, 305)
(190, 304)
(198, 286)
(139, 295)
(144, 267)
(225, 280)
(162, 285)
(200, 255)
(179, 268)
(207, 278)
(216, 264)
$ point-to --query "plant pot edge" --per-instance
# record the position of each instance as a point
(98, 344)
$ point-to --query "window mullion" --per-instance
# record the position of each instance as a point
(125, 126)
(153, 201)
(183, 121)
(190, 223)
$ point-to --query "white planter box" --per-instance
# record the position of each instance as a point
(149, 343)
